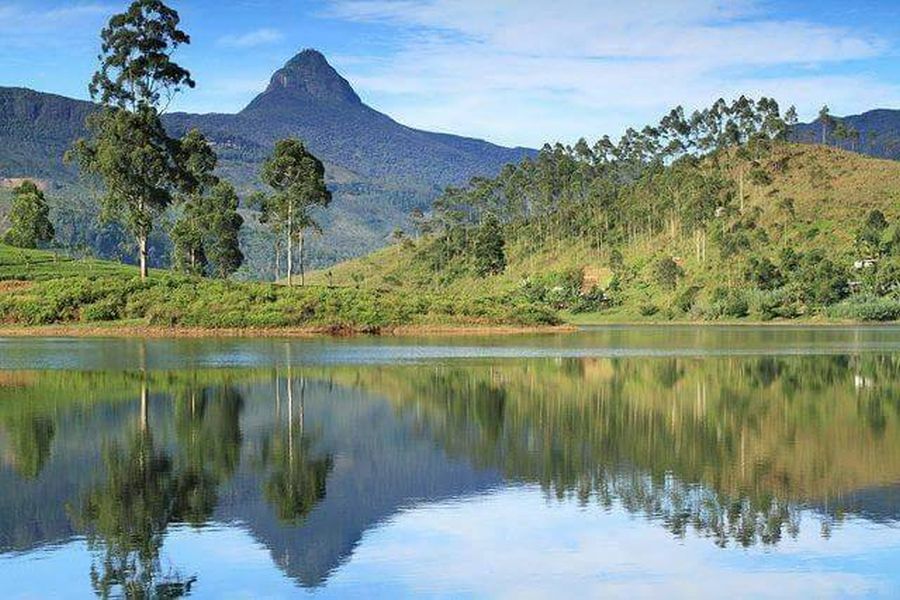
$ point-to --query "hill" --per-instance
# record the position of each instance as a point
(678, 242)
(879, 133)
(378, 169)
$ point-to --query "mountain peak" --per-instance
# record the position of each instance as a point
(309, 74)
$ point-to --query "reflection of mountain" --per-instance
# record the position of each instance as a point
(732, 448)
(380, 467)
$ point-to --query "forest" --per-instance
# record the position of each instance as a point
(708, 215)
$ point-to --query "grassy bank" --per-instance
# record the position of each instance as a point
(39, 288)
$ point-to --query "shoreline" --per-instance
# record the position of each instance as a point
(183, 332)
(186, 332)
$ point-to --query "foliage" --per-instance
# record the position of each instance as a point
(298, 180)
(490, 253)
(666, 271)
(66, 291)
(206, 237)
(867, 308)
(129, 148)
(30, 224)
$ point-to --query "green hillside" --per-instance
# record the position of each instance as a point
(42, 288)
(677, 242)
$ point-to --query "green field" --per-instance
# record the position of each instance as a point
(42, 288)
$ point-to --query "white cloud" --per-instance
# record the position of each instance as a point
(23, 26)
(529, 71)
(494, 546)
(252, 39)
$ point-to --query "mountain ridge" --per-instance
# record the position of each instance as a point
(379, 169)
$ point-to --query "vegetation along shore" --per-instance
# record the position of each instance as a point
(715, 215)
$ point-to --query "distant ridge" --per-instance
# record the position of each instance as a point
(379, 169)
(879, 133)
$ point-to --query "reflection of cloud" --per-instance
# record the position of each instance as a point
(515, 544)
(493, 65)
(252, 39)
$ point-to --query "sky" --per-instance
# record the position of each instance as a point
(515, 72)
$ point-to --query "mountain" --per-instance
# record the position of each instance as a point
(879, 133)
(35, 130)
(377, 168)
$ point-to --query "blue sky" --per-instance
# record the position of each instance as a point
(511, 71)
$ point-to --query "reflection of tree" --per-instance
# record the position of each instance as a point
(732, 448)
(126, 518)
(30, 440)
(297, 480)
(209, 436)
(145, 490)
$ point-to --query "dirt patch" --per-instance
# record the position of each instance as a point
(14, 285)
(595, 277)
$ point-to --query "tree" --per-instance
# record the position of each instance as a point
(298, 180)
(827, 121)
(29, 218)
(128, 147)
(222, 241)
(869, 236)
(490, 248)
(209, 227)
(199, 161)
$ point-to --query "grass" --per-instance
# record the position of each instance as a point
(41, 288)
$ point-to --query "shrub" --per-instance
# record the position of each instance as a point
(666, 271)
(763, 273)
(648, 309)
(729, 303)
(867, 308)
(775, 304)
(685, 300)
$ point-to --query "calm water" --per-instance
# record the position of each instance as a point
(623, 462)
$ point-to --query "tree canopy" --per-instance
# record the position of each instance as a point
(29, 217)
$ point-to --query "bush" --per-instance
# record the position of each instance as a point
(775, 304)
(866, 308)
(593, 300)
(729, 303)
(685, 300)
(763, 273)
(561, 289)
(666, 271)
(648, 309)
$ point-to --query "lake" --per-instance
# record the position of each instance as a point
(615, 461)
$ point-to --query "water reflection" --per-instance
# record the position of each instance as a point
(744, 451)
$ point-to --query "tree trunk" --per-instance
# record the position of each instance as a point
(290, 262)
(290, 247)
(145, 409)
(302, 270)
(142, 251)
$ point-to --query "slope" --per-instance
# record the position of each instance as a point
(803, 205)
